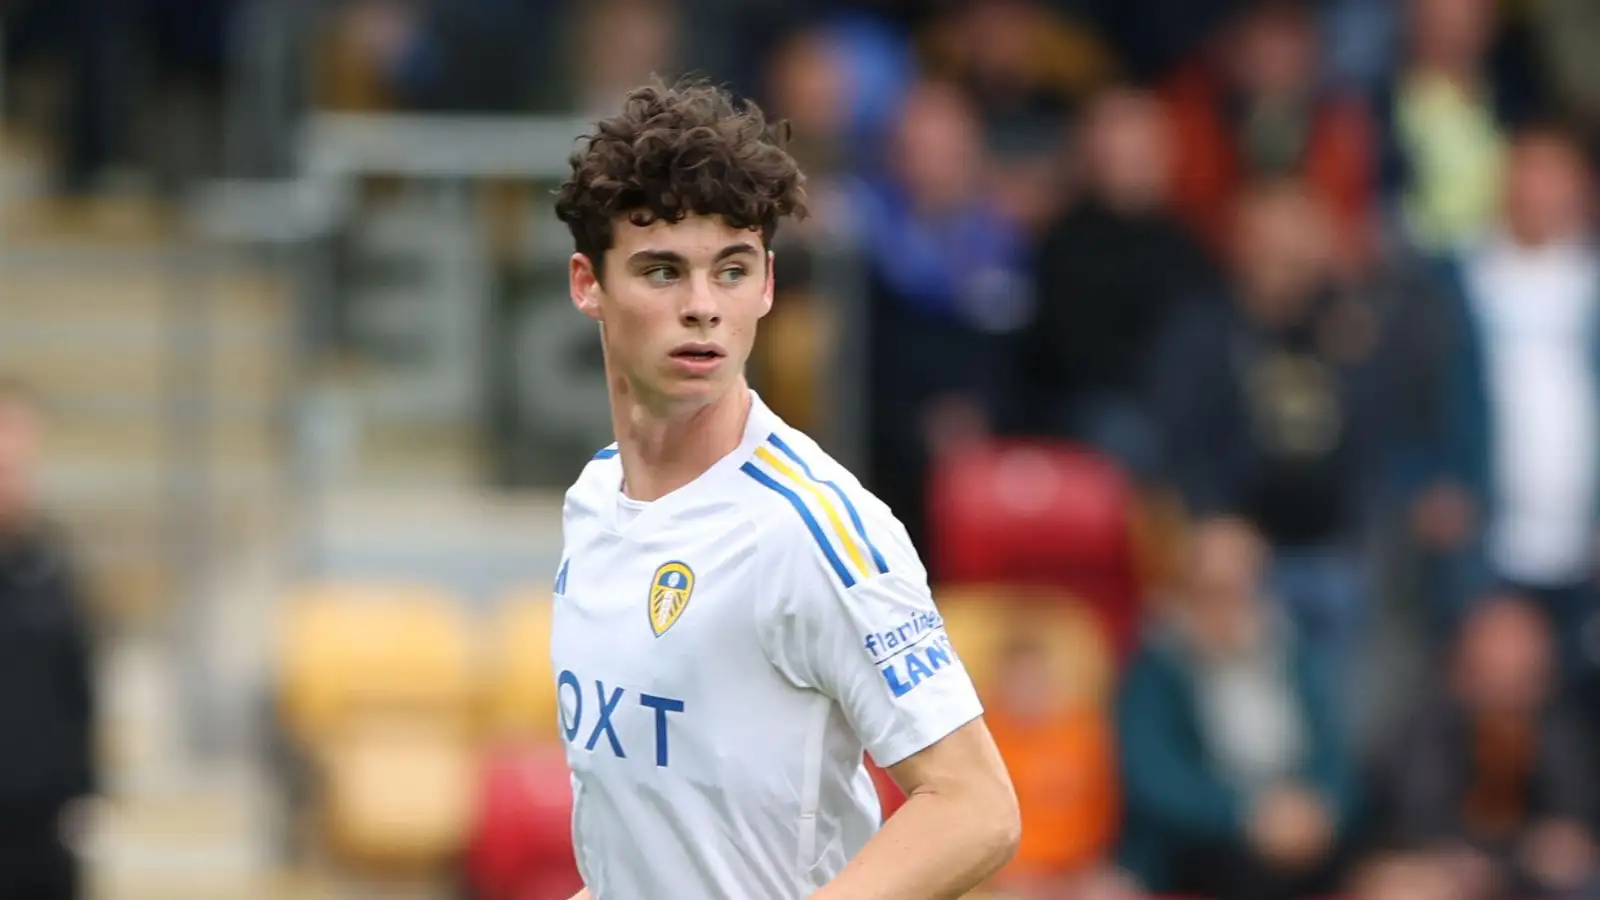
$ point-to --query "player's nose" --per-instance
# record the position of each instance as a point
(700, 306)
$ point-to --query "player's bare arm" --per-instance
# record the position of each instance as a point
(958, 826)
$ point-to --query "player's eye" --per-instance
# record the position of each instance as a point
(660, 275)
(732, 274)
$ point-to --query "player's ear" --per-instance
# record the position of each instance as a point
(770, 285)
(584, 282)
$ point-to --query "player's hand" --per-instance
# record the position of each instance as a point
(1291, 828)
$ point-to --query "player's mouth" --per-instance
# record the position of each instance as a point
(699, 358)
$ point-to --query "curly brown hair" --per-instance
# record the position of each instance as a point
(672, 152)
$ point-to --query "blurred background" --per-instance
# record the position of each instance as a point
(1235, 366)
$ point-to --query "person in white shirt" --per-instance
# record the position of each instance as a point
(1515, 506)
(736, 619)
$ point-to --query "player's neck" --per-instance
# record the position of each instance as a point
(663, 451)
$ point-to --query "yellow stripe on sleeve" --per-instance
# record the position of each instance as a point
(850, 546)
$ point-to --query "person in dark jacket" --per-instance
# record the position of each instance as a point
(1108, 275)
(47, 771)
(1493, 777)
(1264, 411)
(1236, 783)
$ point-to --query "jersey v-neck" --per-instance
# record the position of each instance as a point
(629, 509)
(627, 516)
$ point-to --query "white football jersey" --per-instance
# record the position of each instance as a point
(724, 655)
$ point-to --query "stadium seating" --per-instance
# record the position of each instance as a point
(521, 846)
(398, 793)
(1038, 514)
(351, 647)
(378, 689)
(981, 618)
(1060, 750)
(520, 690)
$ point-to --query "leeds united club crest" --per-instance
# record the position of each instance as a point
(669, 595)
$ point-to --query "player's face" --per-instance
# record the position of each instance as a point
(678, 305)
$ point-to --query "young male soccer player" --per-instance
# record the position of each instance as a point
(736, 619)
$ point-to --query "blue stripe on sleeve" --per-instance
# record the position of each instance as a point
(810, 520)
(855, 517)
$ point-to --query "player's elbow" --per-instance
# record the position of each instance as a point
(1006, 831)
(996, 821)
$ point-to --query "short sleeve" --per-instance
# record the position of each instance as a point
(879, 649)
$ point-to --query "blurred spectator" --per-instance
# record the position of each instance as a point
(120, 57)
(1260, 402)
(1410, 876)
(1026, 67)
(500, 55)
(840, 87)
(1256, 107)
(1444, 113)
(466, 55)
(809, 85)
(1493, 780)
(1056, 740)
(84, 129)
(616, 46)
(1027, 70)
(1104, 883)
(1154, 36)
(1236, 783)
(1359, 40)
(1568, 32)
(46, 700)
(1108, 273)
(1520, 452)
(947, 286)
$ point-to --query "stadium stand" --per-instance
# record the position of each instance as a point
(378, 688)
(520, 695)
(1038, 514)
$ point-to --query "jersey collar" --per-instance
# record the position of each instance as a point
(761, 422)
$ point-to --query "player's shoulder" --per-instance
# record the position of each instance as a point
(600, 475)
(808, 502)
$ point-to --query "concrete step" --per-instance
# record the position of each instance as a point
(236, 444)
(58, 371)
(129, 221)
(112, 488)
(193, 842)
(96, 331)
(117, 300)
(129, 591)
(430, 454)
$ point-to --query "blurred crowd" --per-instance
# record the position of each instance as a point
(1322, 273)
(1319, 275)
